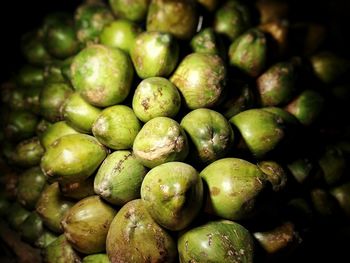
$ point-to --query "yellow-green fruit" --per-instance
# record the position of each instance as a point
(60, 251)
(72, 158)
(86, 224)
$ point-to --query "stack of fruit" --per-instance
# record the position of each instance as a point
(166, 131)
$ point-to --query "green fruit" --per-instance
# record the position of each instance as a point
(201, 79)
(333, 165)
(205, 41)
(41, 127)
(325, 204)
(102, 75)
(119, 178)
(31, 228)
(210, 5)
(4, 205)
(133, 10)
(210, 133)
(277, 85)
(135, 237)
(52, 207)
(304, 170)
(54, 132)
(96, 258)
(248, 52)
(33, 48)
(116, 127)
(172, 193)
(31, 99)
(28, 153)
(45, 239)
(287, 117)
(262, 131)
(234, 186)
(52, 98)
(90, 19)
(30, 185)
(154, 54)
(156, 97)
(280, 239)
(78, 190)
(60, 40)
(232, 19)
(307, 106)
(72, 158)
(60, 251)
(20, 125)
(216, 241)
(86, 225)
(329, 67)
(16, 215)
(159, 141)
(121, 34)
(16, 99)
(53, 72)
(29, 76)
(178, 18)
(275, 174)
(342, 194)
(80, 114)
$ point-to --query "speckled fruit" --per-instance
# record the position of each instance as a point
(72, 158)
(86, 224)
(134, 10)
(102, 75)
(216, 241)
(234, 186)
(119, 178)
(159, 141)
(135, 237)
(173, 193)
(116, 127)
(156, 97)
(201, 79)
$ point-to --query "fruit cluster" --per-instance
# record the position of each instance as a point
(175, 131)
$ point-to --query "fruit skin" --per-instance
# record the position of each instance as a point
(201, 79)
(54, 132)
(119, 178)
(28, 153)
(133, 10)
(79, 114)
(329, 67)
(210, 133)
(90, 19)
(277, 85)
(16, 215)
(52, 97)
(96, 258)
(116, 127)
(210, 5)
(45, 239)
(159, 141)
(216, 241)
(60, 40)
(156, 97)
(78, 190)
(342, 194)
(154, 54)
(135, 237)
(33, 48)
(32, 228)
(234, 186)
(20, 125)
(173, 194)
(121, 34)
(206, 41)
(232, 19)
(86, 224)
(262, 131)
(30, 185)
(52, 207)
(72, 158)
(161, 17)
(307, 106)
(248, 52)
(275, 174)
(102, 75)
(30, 76)
(60, 251)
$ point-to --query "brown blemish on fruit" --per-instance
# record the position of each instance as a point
(214, 191)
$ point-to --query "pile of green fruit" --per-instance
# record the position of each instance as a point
(175, 131)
